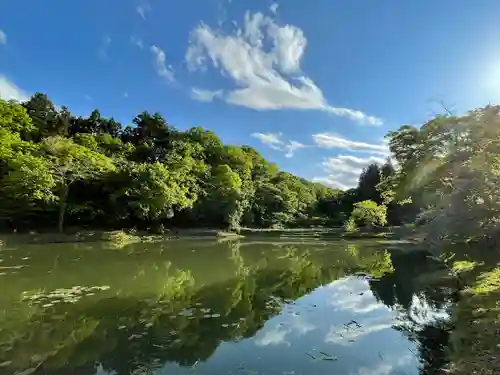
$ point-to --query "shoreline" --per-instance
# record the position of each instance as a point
(129, 235)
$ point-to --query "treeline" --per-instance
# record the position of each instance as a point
(57, 169)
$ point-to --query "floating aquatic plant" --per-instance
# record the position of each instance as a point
(62, 295)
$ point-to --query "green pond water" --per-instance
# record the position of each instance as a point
(201, 307)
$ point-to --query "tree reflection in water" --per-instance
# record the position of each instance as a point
(422, 292)
(185, 324)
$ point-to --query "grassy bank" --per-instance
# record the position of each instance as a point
(475, 341)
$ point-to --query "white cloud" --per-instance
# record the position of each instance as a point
(300, 326)
(262, 59)
(3, 37)
(362, 162)
(333, 181)
(274, 8)
(387, 367)
(331, 140)
(291, 147)
(103, 51)
(353, 295)
(276, 336)
(204, 95)
(160, 64)
(343, 170)
(10, 91)
(273, 140)
(137, 41)
(346, 337)
(143, 9)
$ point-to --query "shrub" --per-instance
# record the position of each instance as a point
(350, 226)
(368, 213)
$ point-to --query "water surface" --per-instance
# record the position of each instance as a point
(200, 307)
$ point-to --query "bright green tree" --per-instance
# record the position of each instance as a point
(369, 214)
(150, 192)
(70, 162)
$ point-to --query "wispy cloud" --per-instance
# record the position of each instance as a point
(105, 43)
(265, 78)
(204, 95)
(346, 337)
(10, 91)
(387, 367)
(3, 37)
(137, 41)
(300, 326)
(274, 8)
(291, 147)
(353, 295)
(334, 141)
(342, 171)
(274, 141)
(143, 9)
(271, 140)
(275, 336)
(159, 63)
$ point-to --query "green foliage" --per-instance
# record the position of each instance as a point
(120, 239)
(149, 192)
(70, 162)
(367, 213)
(55, 167)
(14, 118)
(350, 225)
(448, 170)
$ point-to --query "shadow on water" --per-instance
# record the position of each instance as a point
(185, 323)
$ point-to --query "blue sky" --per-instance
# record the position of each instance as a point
(314, 86)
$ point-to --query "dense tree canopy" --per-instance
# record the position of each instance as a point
(57, 168)
(449, 175)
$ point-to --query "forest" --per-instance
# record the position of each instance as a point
(59, 170)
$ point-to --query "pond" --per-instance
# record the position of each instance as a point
(201, 307)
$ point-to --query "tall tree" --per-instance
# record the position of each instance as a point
(70, 162)
(367, 185)
(43, 115)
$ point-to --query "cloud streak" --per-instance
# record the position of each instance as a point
(10, 91)
(334, 141)
(106, 42)
(143, 9)
(343, 170)
(204, 95)
(262, 60)
(3, 37)
(275, 336)
(137, 41)
(159, 63)
(274, 141)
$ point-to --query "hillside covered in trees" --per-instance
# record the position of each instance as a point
(57, 169)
